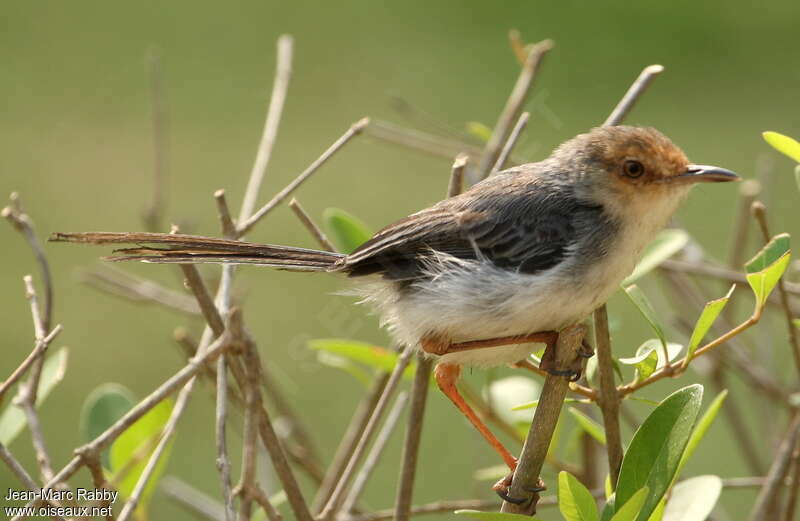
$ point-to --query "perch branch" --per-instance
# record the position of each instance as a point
(608, 398)
(315, 230)
(534, 452)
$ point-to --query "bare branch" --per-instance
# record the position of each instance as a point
(337, 496)
(315, 230)
(777, 472)
(280, 86)
(223, 464)
(608, 399)
(534, 452)
(457, 175)
(192, 499)
(513, 108)
(420, 141)
(224, 213)
(375, 453)
(38, 351)
(510, 142)
(632, 96)
(245, 224)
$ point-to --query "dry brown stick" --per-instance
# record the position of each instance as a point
(224, 213)
(375, 454)
(221, 414)
(760, 213)
(456, 184)
(19, 471)
(108, 436)
(38, 351)
(337, 496)
(122, 284)
(420, 141)
(408, 466)
(500, 164)
(608, 398)
(153, 215)
(315, 230)
(277, 100)
(632, 96)
(245, 224)
(777, 472)
(248, 488)
(347, 445)
(534, 452)
(195, 501)
(513, 107)
(793, 486)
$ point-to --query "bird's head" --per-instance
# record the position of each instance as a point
(634, 169)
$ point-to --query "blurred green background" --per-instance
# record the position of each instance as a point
(76, 144)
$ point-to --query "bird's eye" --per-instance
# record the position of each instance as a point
(633, 169)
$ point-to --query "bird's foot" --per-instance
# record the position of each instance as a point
(502, 487)
(586, 350)
(574, 371)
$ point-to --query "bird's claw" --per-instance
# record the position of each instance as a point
(502, 487)
(572, 375)
(586, 350)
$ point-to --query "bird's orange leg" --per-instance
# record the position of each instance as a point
(446, 377)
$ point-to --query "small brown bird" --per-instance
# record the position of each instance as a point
(479, 278)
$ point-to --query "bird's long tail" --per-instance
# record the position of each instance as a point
(176, 248)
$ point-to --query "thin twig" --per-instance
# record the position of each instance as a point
(189, 497)
(245, 224)
(137, 289)
(408, 467)
(375, 453)
(351, 437)
(224, 213)
(420, 141)
(513, 108)
(221, 415)
(510, 142)
(39, 350)
(632, 96)
(777, 472)
(760, 213)
(337, 496)
(315, 230)
(280, 86)
(154, 213)
(718, 272)
(608, 399)
(793, 487)
(457, 175)
(534, 452)
(108, 436)
(17, 469)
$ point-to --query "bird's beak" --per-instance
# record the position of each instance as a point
(706, 174)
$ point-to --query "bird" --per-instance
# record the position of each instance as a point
(484, 277)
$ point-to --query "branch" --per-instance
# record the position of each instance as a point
(777, 472)
(337, 496)
(315, 230)
(246, 224)
(513, 108)
(283, 72)
(512, 140)
(632, 96)
(608, 399)
(534, 452)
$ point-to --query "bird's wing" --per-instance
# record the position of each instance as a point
(525, 227)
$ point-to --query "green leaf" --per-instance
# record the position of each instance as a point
(361, 352)
(505, 392)
(710, 313)
(764, 270)
(346, 365)
(496, 516)
(102, 408)
(796, 322)
(693, 499)
(609, 491)
(783, 144)
(642, 303)
(654, 455)
(479, 130)
(608, 510)
(650, 356)
(574, 500)
(131, 451)
(13, 420)
(700, 430)
(658, 513)
(665, 245)
(633, 507)
(346, 231)
(592, 428)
